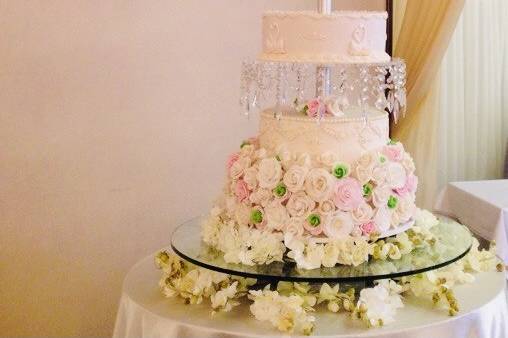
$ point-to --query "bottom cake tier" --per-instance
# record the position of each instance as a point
(318, 210)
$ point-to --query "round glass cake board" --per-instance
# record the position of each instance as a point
(453, 243)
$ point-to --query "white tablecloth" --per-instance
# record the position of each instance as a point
(144, 312)
(482, 206)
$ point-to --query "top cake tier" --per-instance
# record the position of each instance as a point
(339, 37)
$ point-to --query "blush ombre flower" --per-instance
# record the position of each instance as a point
(348, 194)
(313, 224)
(314, 106)
(394, 152)
(368, 228)
(241, 191)
(409, 187)
(232, 159)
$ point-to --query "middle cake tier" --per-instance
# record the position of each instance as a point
(347, 137)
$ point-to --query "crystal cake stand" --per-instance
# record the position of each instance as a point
(453, 242)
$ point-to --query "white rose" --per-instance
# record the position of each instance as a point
(382, 218)
(269, 173)
(408, 163)
(396, 175)
(261, 196)
(242, 214)
(294, 178)
(299, 204)
(338, 225)
(276, 216)
(250, 177)
(362, 214)
(238, 168)
(327, 159)
(380, 196)
(295, 227)
(326, 207)
(405, 209)
(319, 184)
(365, 166)
(379, 174)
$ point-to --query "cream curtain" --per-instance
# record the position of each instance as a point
(473, 99)
(422, 31)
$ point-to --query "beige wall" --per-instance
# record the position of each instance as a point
(115, 120)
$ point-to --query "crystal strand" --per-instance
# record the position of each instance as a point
(364, 89)
(243, 88)
(299, 86)
(278, 92)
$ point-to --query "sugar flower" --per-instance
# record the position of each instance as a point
(348, 194)
(299, 204)
(241, 191)
(232, 159)
(394, 151)
(362, 214)
(380, 303)
(270, 173)
(313, 224)
(319, 184)
(294, 178)
(338, 225)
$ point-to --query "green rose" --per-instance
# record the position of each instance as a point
(314, 220)
(280, 190)
(340, 170)
(392, 202)
(382, 159)
(256, 216)
(367, 189)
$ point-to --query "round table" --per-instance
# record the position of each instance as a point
(145, 312)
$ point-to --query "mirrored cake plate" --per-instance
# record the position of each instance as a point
(453, 243)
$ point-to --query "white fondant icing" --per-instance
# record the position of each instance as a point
(339, 37)
(349, 137)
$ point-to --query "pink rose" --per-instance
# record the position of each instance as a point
(409, 187)
(394, 152)
(232, 159)
(241, 191)
(315, 108)
(348, 194)
(368, 228)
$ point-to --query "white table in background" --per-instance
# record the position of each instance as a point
(480, 205)
(144, 312)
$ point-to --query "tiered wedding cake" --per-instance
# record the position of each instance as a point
(323, 172)
(322, 194)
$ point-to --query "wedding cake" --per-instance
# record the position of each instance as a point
(322, 174)
(322, 194)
